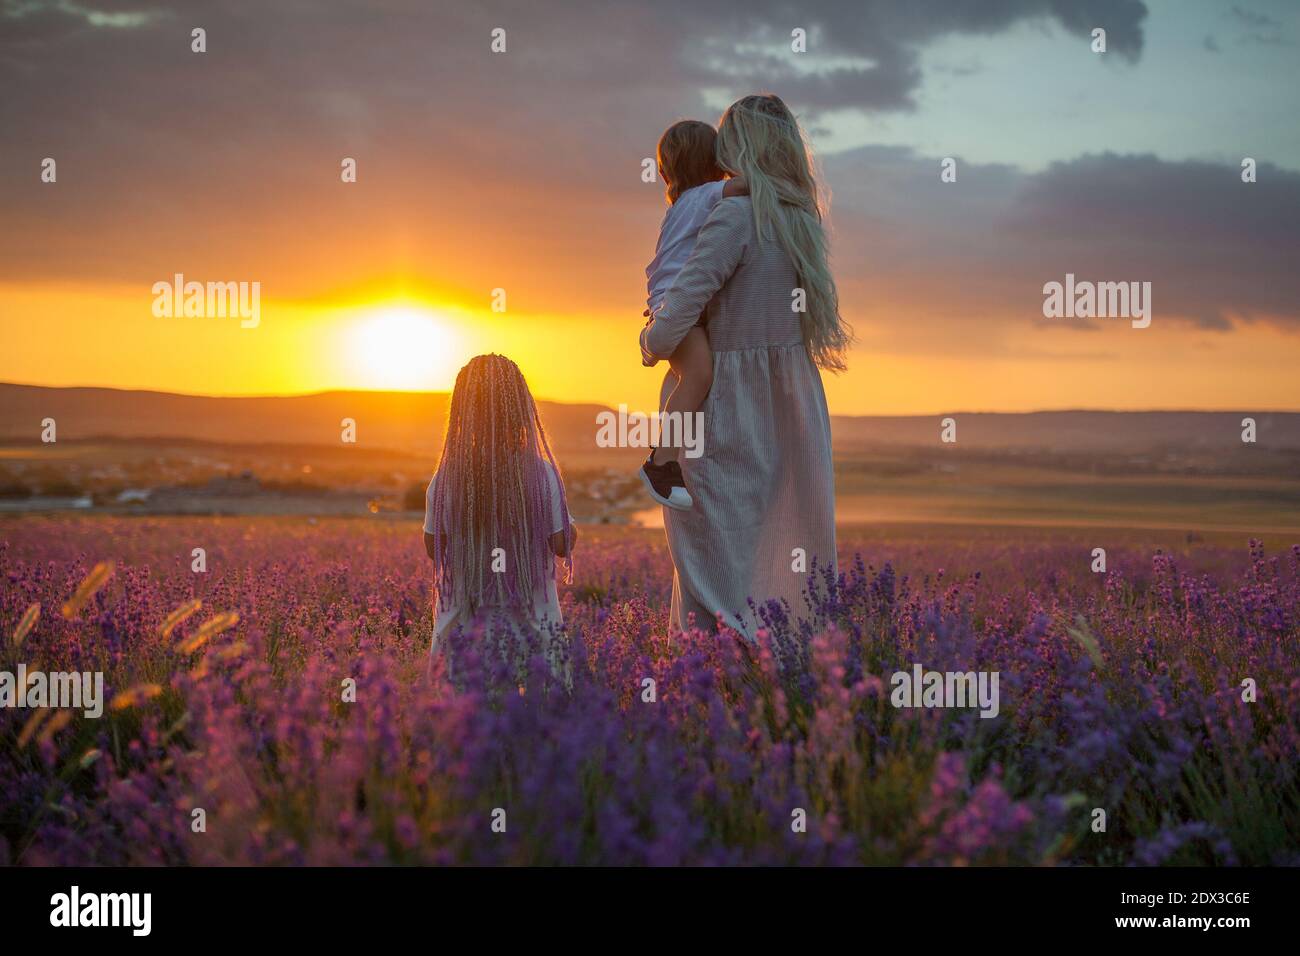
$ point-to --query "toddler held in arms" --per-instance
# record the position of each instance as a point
(689, 168)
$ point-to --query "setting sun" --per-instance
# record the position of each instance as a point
(403, 348)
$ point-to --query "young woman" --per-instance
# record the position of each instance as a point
(763, 492)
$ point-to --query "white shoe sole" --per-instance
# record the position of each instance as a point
(680, 501)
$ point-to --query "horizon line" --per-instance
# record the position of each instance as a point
(552, 401)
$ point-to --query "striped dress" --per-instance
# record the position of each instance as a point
(763, 488)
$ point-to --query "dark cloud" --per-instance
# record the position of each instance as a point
(218, 159)
(887, 37)
(683, 43)
(1217, 251)
(1263, 30)
(218, 164)
(1252, 18)
(221, 163)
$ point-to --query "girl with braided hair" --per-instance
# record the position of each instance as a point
(496, 516)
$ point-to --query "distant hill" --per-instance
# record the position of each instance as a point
(1074, 431)
(403, 421)
(413, 422)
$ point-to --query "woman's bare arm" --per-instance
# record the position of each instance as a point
(718, 253)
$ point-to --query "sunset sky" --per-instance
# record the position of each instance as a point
(522, 171)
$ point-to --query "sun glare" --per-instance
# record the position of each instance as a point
(403, 348)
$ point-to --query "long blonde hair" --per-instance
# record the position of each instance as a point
(492, 491)
(760, 139)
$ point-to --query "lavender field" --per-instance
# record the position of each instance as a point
(1121, 692)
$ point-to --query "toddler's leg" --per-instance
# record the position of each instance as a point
(693, 364)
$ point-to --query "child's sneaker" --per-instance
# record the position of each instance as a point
(665, 484)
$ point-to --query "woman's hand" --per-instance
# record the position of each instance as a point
(648, 360)
(736, 186)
